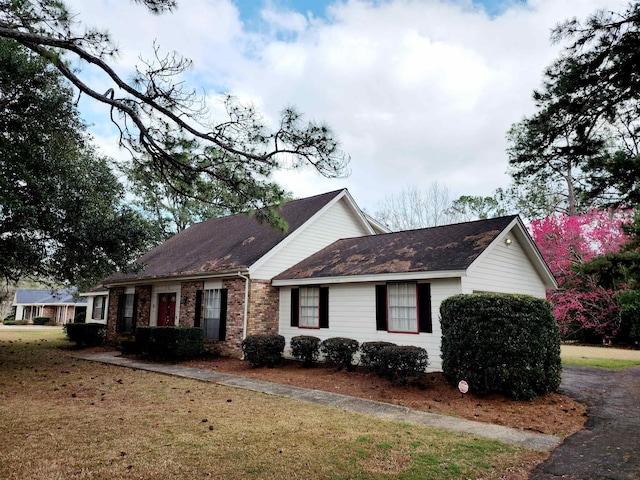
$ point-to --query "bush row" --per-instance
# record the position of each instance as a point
(400, 364)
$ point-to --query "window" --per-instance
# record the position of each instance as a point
(98, 307)
(404, 307)
(310, 307)
(126, 313)
(211, 305)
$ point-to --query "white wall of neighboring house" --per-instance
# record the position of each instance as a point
(336, 222)
(352, 314)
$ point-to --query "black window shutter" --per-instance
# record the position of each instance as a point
(222, 335)
(381, 307)
(134, 318)
(120, 314)
(295, 306)
(324, 307)
(198, 312)
(424, 307)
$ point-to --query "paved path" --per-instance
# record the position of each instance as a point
(609, 445)
(388, 411)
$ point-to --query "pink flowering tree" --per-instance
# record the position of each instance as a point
(583, 308)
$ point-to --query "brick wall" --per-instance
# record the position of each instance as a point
(263, 308)
(188, 310)
(144, 305)
(112, 312)
(232, 345)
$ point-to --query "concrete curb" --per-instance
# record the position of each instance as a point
(513, 436)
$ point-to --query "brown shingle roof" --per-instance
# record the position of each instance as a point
(222, 244)
(449, 247)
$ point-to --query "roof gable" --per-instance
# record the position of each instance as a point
(223, 244)
(443, 248)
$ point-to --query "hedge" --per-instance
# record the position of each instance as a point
(170, 343)
(86, 334)
(403, 364)
(339, 352)
(43, 321)
(305, 348)
(501, 343)
(261, 350)
(370, 353)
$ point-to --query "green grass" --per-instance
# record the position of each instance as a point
(66, 418)
(610, 363)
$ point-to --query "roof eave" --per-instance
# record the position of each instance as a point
(177, 278)
(368, 278)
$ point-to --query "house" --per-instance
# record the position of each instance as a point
(389, 287)
(58, 305)
(333, 272)
(217, 274)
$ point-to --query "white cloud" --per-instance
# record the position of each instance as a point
(418, 91)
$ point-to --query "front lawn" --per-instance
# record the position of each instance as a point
(64, 418)
(602, 357)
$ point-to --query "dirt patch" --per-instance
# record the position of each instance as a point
(584, 351)
(552, 413)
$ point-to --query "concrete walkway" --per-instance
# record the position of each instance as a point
(383, 410)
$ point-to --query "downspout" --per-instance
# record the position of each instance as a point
(246, 305)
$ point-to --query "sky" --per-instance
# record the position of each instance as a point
(417, 91)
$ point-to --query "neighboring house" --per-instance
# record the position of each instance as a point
(334, 272)
(59, 305)
(389, 287)
(217, 274)
(97, 299)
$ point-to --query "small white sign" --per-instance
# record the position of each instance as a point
(463, 387)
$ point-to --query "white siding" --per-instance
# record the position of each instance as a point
(504, 269)
(352, 314)
(337, 222)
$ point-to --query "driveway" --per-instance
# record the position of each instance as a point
(609, 445)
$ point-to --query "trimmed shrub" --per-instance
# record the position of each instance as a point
(306, 349)
(370, 353)
(403, 364)
(41, 320)
(9, 320)
(263, 350)
(86, 334)
(339, 352)
(173, 343)
(499, 343)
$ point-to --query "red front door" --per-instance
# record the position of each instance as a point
(167, 310)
